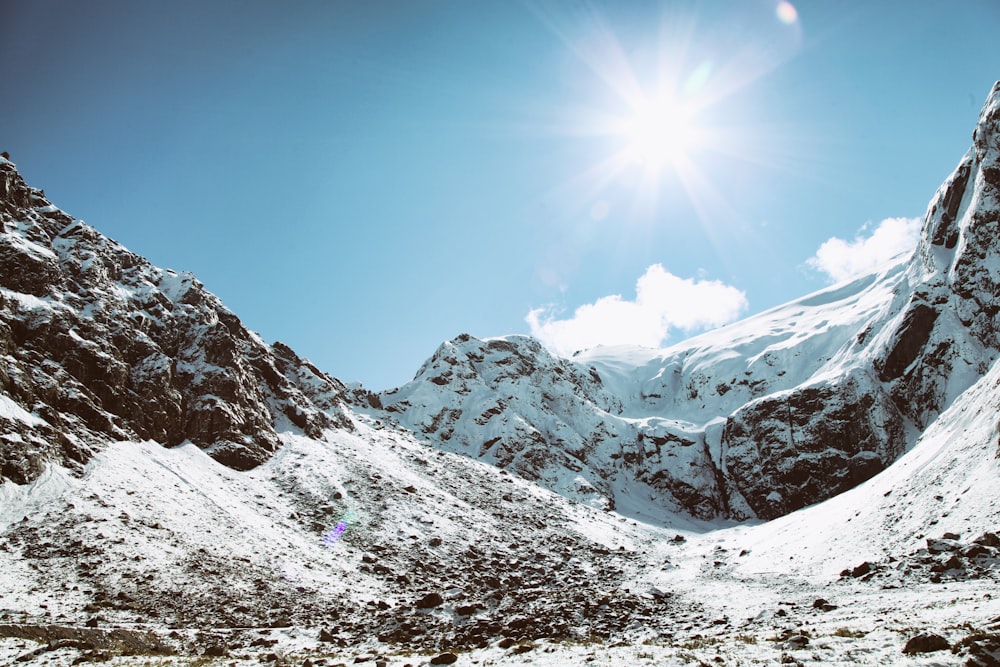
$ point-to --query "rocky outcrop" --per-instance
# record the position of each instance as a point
(508, 401)
(948, 333)
(790, 450)
(99, 345)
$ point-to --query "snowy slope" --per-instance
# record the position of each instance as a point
(186, 554)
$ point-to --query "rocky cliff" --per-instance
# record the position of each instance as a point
(759, 418)
(98, 346)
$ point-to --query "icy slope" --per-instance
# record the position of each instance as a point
(760, 418)
(97, 345)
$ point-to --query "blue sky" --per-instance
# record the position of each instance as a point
(363, 180)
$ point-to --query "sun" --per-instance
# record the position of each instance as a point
(659, 107)
(660, 132)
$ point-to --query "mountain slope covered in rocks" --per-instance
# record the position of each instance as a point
(756, 419)
(100, 346)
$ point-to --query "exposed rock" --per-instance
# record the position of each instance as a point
(430, 601)
(937, 546)
(216, 650)
(791, 451)
(988, 540)
(926, 642)
(909, 339)
(99, 345)
(981, 649)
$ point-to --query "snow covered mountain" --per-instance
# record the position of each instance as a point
(173, 487)
(756, 419)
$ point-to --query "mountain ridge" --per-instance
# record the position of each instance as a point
(773, 413)
(756, 419)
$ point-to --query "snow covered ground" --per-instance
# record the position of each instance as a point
(152, 523)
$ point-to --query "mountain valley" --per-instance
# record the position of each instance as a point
(815, 484)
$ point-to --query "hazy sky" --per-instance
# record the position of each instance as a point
(363, 180)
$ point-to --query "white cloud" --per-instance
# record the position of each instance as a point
(841, 259)
(662, 302)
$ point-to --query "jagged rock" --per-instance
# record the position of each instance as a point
(430, 601)
(982, 649)
(943, 545)
(861, 570)
(908, 340)
(954, 563)
(788, 452)
(101, 346)
(988, 540)
(978, 551)
(926, 642)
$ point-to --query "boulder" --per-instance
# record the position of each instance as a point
(430, 601)
(926, 642)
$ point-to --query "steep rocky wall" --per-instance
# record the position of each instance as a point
(99, 345)
(790, 450)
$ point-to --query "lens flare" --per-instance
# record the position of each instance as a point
(786, 13)
(332, 536)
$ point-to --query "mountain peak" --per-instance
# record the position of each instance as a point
(987, 132)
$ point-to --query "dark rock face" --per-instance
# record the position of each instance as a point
(790, 450)
(99, 345)
(787, 452)
(908, 341)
